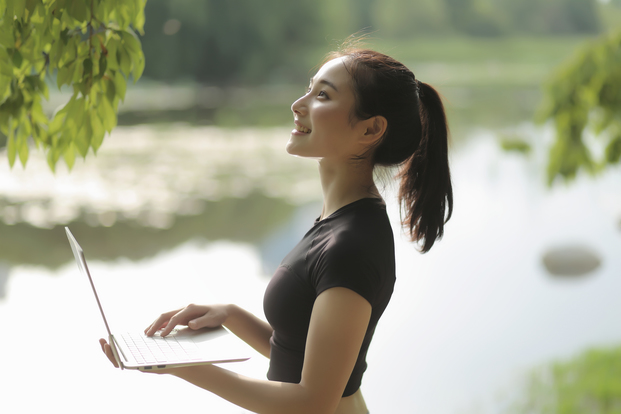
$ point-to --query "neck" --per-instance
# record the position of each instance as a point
(345, 182)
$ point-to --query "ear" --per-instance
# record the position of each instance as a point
(375, 127)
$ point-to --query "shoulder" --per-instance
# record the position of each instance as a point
(363, 227)
(355, 250)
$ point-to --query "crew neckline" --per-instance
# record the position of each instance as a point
(350, 205)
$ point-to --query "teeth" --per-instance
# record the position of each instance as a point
(302, 129)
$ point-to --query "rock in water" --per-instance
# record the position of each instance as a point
(571, 260)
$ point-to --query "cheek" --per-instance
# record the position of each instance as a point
(330, 119)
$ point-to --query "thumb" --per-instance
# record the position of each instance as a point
(205, 321)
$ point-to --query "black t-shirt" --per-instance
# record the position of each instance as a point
(352, 248)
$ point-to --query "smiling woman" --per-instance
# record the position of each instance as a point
(323, 128)
(363, 109)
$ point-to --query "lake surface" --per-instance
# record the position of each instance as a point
(174, 214)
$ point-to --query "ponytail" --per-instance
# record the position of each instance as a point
(416, 138)
(426, 192)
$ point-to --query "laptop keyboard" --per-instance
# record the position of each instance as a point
(155, 349)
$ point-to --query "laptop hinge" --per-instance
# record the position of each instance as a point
(115, 350)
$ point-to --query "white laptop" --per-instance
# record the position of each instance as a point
(182, 347)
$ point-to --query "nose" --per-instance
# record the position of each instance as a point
(299, 107)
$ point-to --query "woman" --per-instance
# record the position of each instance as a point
(363, 109)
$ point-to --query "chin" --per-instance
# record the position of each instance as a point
(293, 148)
(290, 148)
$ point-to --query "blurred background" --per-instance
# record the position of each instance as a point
(193, 199)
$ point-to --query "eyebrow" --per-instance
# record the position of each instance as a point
(325, 82)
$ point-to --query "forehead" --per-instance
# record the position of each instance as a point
(333, 71)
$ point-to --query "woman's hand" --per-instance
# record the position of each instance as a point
(107, 349)
(194, 316)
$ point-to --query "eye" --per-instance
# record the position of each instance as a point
(323, 94)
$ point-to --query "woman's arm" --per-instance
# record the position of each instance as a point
(252, 330)
(338, 324)
(337, 328)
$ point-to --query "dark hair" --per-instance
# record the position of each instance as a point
(416, 138)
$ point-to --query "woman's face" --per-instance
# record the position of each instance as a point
(323, 127)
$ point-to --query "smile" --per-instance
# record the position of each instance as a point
(300, 128)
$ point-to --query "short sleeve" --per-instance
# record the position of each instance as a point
(348, 265)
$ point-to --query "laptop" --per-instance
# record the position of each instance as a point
(182, 347)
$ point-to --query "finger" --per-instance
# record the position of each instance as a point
(160, 322)
(154, 327)
(174, 321)
(107, 349)
(110, 355)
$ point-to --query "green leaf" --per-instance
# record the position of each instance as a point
(17, 59)
(58, 121)
(5, 63)
(56, 52)
(52, 158)
(6, 34)
(138, 68)
(77, 10)
(37, 114)
(19, 9)
(30, 6)
(78, 74)
(108, 117)
(69, 156)
(69, 51)
(22, 146)
(613, 150)
(120, 85)
(103, 66)
(82, 139)
(98, 132)
(5, 88)
(139, 20)
(63, 76)
(42, 87)
(131, 41)
(110, 91)
(88, 66)
(125, 61)
(41, 136)
(112, 57)
(10, 146)
(75, 116)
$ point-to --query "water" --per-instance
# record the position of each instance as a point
(179, 215)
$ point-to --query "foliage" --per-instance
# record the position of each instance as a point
(230, 42)
(398, 18)
(90, 46)
(585, 92)
(514, 143)
(548, 17)
(252, 42)
(588, 383)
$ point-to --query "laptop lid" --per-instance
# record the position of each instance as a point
(216, 345)
(78, 253)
